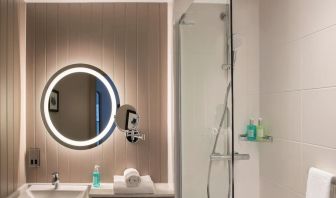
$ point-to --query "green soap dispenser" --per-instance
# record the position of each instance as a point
(251, 131)
(96, 177)
(260, 130)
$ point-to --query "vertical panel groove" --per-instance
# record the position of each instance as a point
(34, 87)
(1, 41)
(114, 77)
(45, 80)
(137, 72)
(16, 93)
(160, 84)
(125, 69)
(9, 95)
(164, 92)
(148, 98)
(124, 77)
(30, 86)
(6, 97)
(4, 154)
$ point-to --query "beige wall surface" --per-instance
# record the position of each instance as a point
(245, 21)
(9, 96)
(298, 93)
(129, 42)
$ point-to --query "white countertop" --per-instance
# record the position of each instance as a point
(106, 190)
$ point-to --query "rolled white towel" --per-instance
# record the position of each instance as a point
(132, 177)
(145, 187)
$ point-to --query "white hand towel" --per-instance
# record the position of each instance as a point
(132, 177)
(318, 184)
(145, 187)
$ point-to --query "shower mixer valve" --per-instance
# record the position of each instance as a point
(237, 156)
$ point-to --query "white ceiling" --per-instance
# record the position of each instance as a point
(99, 1)
(94, 1)
(212, 1)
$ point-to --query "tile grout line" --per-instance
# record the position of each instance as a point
(304, 143)
(284, 187)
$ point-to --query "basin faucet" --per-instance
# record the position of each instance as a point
(55, 179)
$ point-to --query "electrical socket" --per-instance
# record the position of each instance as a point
(34, 157)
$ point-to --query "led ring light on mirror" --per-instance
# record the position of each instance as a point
(69, 71)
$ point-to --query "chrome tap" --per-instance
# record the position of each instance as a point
(55, 179)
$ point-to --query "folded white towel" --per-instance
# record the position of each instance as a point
(145, 187)
(132, 177)
(318, 184)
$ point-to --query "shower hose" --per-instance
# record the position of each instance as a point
(225, 113)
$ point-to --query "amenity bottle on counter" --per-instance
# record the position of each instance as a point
(251, 131)
(96, 177)
(260, 129)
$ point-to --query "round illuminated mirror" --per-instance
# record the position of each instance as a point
(78, 106)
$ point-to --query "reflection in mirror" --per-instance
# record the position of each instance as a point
(84, 107)
(78, 106)
(127, 118)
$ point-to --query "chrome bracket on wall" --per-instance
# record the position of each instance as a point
(134, 135)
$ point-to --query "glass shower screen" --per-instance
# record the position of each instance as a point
(205, 101)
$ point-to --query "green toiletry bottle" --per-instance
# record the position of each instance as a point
(96, 177)
(260, 130)
(251, 131)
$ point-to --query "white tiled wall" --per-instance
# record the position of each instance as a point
(246, 93)
(298, 93)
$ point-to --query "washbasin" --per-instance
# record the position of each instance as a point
(63, 190)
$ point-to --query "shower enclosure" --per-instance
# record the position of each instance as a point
(205, 68)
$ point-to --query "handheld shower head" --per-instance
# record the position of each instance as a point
(222, 16)
(183, 20)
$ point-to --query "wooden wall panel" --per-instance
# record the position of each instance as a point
(51, 68)
(40, 80)
(131, 71)
(164, 94)
(30, 74)
(143, 89)
(129, 42)
(65, 34)
(9, 96)
(3, 99)
(19, 20)
(154, 90)
(119, 76)
(108, 66)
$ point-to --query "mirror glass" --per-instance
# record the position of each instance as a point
(127, 118)
(78, 106)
